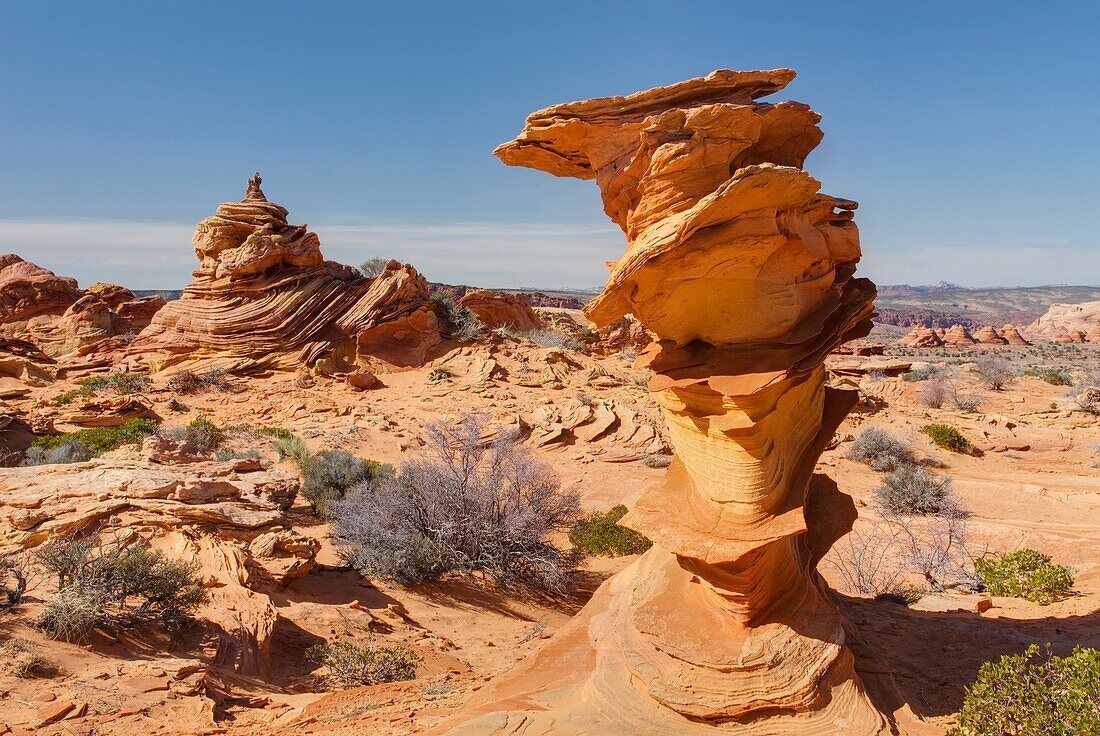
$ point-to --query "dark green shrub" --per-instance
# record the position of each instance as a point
(351, 665)
(65, 398)
(600, 534)
(292, 447)
(1026, 574)
(101, 439)
(204, 434)
(1034, 694)
(120, 383)
(911, 490)
(112, 584)
(947, 437)
(279, 433)
(1053, 376)
(328, 475)
(881, 450)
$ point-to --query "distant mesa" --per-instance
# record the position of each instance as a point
(264, 298)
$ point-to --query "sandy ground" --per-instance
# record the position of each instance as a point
(1037, 485)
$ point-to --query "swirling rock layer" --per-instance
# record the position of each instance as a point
(743, 270)
(263, 297)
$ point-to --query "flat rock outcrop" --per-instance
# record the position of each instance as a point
(744, 271)
(264, 298)
(497, 309)
(1066, 319)
(229, 516)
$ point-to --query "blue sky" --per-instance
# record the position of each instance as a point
(968, 131)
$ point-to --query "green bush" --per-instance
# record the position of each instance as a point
(351, 665)
(204, 434)
(600, 534)
(1034, 694)
(1053, 376)
(328, 475)
(110, 583)
(292, 447)
(65, 398)
(947, 437)
(1026, 574)
(120, 383)
(101, 439)
(279, 433)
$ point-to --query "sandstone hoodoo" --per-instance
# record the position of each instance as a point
(1013, 336)
(263, 297)
(989, 336)
(744, 271)
(958, 336)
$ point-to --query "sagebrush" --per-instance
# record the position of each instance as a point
(352, 665)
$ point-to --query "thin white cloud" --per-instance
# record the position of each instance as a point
(494, 254)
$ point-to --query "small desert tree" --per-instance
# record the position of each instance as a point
(469, 506)
(995, 372)
(373, 266)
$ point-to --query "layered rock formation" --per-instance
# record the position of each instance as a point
(1013, 336)
(64, 321)
(1065, 319)
(496, 309)
(230, 516)
(958, 336)
(921, 337)
(988, 335)
(743, 269)
(263, 297)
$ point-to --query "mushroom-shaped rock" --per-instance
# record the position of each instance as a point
(743, 269)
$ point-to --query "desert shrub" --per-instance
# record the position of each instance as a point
(176, 405)
(881, 450)
(328, 475)
(1053, 376)
(1034, 693)
(914, 491)
(466, 506)
(920, 374)
(279, 433)
(995, 371)
(657, 461)
(292, 447)
(440, 373)
(547, 339)
(964, 402)
(111, 583)
(600, 534)
(1087, 396)
(70, 451)
(933, 393)
(188, 382)
(224, 454)
(351, 665)
(1026, 574)
(947, 437)
(461, 323)
(101, 439)
(373, 266)
(22, 659)
(16, 575)
(876, 559)
(204, 434)
(120, 383)
(65, 398)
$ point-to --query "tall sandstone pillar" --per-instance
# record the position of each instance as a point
(744, 270)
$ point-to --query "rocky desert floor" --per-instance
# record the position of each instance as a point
(1034, 482)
